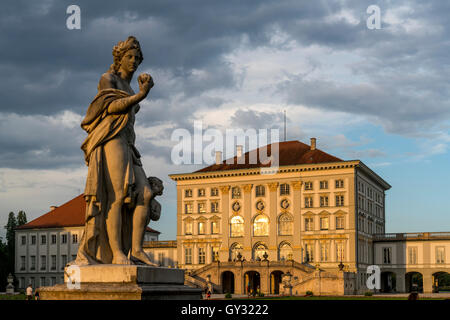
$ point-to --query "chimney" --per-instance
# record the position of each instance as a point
(53, 208)
(313, 144)
(218, 157)
(238, 151)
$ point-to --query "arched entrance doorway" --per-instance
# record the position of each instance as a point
(441, 281)
(275, 280)
(227, 282)
(251, 282)
(414, 282)
(388, 281)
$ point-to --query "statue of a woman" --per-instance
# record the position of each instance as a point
(118, 193)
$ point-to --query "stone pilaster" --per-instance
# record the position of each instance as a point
(296, 212)
(273, 213)
(247, 215)
(225, 227)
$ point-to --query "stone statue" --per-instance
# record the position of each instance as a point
(119, 197)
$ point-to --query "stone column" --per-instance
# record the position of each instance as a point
(225, 228)
(297, 214)
(247, 214)
(273, 210)
(400, 285)
(427, 282)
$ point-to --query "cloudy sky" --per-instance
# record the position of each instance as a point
(381, 96)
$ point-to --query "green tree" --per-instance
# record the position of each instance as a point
(11, 243)
(10, 230)
(3, 264)
(21, 218)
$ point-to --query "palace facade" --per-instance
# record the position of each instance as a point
(315, 218)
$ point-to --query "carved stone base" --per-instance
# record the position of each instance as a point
(122, 282)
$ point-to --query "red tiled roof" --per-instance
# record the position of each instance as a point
(70, 214)
(290, 153)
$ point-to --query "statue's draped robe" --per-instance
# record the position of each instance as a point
(101, 127)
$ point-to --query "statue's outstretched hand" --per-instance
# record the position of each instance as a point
(145, 82)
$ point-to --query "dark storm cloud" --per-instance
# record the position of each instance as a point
(48, 69)
(180, 36)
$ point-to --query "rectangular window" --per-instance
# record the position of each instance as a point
(215, 253)
(43, 239)
(74, 257)
(284, 189)
(308, 202)
(22, 263)
(215, 227)
(63, 261)
(324, 201)
(188, 208)
(33, 263)
(412, 255)
(214, 192)
(53, 262)
(53, 238)
(309, 226)
(24, 240)
(201, 228)
(214, 207)
(201, 255)
(188, 255)
(188, 228)
(339, 184)
(188, 193)
(309, 253)
(308, 185)
(440, 255)
(260, 191)
(74, 238)
(387, 255)
(324, 252)
(235, 193)
(324, 184)
(323, 223)
(33, 239)
(201, 192)
(202, 207)
(42, 282)
(64, 238)
(340, 251)
(161, 258)
(43, 262)
(340, 223)
(339, 201)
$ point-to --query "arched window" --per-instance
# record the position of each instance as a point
(285, 251)
(285, 225)
(261, 226)
(258, 251)
(235, 249)
(237, 226)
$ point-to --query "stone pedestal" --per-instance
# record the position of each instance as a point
(122, 282)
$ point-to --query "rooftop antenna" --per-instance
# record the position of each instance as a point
(284, 125)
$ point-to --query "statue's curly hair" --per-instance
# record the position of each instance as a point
(120, 49)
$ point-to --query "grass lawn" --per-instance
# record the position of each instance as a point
(13, 297)
(341, 298)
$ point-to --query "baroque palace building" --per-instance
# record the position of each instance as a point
(314, 219)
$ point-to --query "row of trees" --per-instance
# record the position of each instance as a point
(8, 248)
